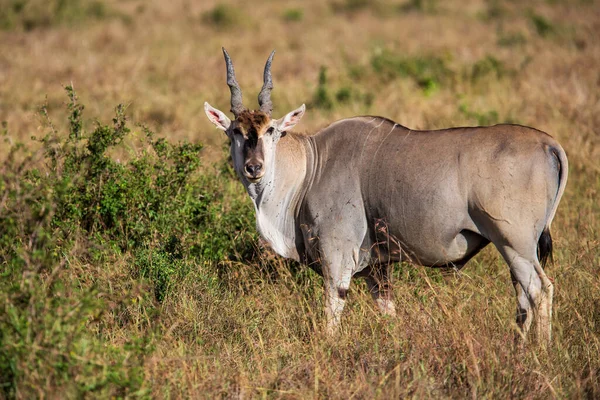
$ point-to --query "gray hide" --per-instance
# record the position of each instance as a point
(365, 192)
(373, 189)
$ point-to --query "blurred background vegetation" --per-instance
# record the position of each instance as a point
(129, 259)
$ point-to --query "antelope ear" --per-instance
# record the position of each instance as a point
(291, 119)
(217, 117)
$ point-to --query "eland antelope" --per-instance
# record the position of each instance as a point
(365, 191)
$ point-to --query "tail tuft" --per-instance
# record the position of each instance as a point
(545, 247)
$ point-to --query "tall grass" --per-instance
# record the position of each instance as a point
(35, 14)
(129, 260)
(138, 277)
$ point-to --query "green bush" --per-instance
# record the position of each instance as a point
(222, 16)
(428, 72)
(32, 14)
(495, 11)
(488, 66)
(350, 5)
(482, 118)
(542, 26)
(511, 39)
(324, 100)
(293, 14)
(322, 97)
(144, 224)
(423, 6)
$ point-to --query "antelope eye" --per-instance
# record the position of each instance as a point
(270, 130)
(236, 131)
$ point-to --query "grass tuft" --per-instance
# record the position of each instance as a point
(293, 14)
(222, 16)
(541, 24)
(35, 14)
(427, 71)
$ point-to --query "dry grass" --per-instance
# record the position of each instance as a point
(255, 329)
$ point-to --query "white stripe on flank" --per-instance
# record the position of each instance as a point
(367, 138)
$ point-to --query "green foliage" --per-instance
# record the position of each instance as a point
(32, 14)
(47, 316)
(423, 6)
(482, 118)
(511, 39)
(350, 5)
(72, 203)
(356, 71)
(44, 337)
(293, 14)
(98, 193)
(222, 16)
(162, 266)
(344, 94)
(542, 26)
(427, 71)
(495, 10)
(348, 94)
(323, 99)
(380, 8)
(488, 66)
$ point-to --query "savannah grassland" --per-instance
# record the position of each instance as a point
(129, 261)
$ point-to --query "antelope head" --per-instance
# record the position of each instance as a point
(253, 134)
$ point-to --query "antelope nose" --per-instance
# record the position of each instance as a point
(253, 169)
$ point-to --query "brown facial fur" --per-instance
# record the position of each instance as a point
(253, 124)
